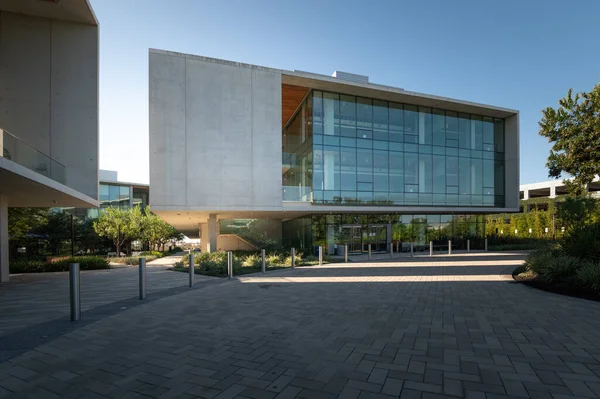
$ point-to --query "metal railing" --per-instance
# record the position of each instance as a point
(25, 155)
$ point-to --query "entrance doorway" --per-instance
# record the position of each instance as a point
(359, 237)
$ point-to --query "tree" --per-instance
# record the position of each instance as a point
(57, 230)
(23, 220)
(156, 231)
(574, 130)
(119, 225)
(575, 213)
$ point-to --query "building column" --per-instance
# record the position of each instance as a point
(525, 194)
(552, 191)
(4, 270)
(212, 232)
(204, 247)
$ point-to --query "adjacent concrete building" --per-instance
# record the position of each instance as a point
(48, 108)
(243, 154)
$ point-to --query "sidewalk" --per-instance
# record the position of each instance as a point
(30, 299)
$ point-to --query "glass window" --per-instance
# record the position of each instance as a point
(372, 151)
(330, 113)
(411, 169)
(425, 125)
(104, 194)
(364, 162)
(411, 120)
(439, 174)
(499, 135)
(439, 128)
(364, 113)
(464, 131)
(425, 174)
(396, 164)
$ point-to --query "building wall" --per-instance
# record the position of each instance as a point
(511, 162)
(49, 92)
(215, 134)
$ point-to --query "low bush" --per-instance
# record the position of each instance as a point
(36, 266)
(560, 269)
(132, 260)
(252, 260)
(156, 254)
(588, 275)
(583, 243)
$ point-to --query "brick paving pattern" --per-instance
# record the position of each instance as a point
(456, 327)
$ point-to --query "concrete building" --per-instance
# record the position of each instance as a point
(552, 188)
(48, 108)
(242, 154)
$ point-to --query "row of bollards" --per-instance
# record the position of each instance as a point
(74, 272)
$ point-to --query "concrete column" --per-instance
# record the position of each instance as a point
(212, 233)
(525, 194)
(552, 191)
(204, 240)
(3, 238)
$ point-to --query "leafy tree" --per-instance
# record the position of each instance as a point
(119, 225)
(23, 220)
(57, 230)
(574, 128)
(576, 212)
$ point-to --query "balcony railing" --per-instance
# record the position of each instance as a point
(25, 155)
(297, 194)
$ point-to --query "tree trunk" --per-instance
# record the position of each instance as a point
(118, 249)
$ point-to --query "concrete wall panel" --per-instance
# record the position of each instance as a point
(168, 153)
(511, 154)
(49, 92)
(25, 78)
(232, 123)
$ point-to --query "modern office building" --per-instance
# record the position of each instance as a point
(48, 108)
(240, 151)
(114, 193)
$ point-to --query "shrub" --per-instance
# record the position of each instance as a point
(561, 269)
(538, 260)
(588, 275)
(36, 266)
(87, 262)
(179, 265)
(252, 260)
(27, 266)
(274, 259)
(156, 254)
(583, 243)
(132, 260)
(310, 259)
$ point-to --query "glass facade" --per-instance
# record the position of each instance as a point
(354, 150)
(380, 231)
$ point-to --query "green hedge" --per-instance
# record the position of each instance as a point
(132, 260)
(37, 266)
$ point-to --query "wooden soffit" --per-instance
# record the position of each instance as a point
(291, 97)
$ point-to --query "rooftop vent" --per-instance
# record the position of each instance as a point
(350, 77)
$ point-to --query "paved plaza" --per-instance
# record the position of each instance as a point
(457, 326)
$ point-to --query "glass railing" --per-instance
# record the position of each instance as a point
(27, 156)
(297, 194)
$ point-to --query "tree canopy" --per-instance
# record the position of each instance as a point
(119, 225)
(574, 130)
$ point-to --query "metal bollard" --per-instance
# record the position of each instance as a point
(430, 248)
(468, 246)
(391, 250)
(293, 258)
(485, 245)
(346, 253)
(369, 251)
(263, 265)
(143, 278)
(230, 264)
(449, 247)
(398, 247)
(191, 270)
(320, 255)
(74, 289)
(412, 249)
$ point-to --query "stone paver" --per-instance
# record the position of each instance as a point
(30, 299)
(458, 327)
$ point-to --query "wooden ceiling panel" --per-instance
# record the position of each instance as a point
(291, 97)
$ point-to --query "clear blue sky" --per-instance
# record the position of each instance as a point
(519, 54)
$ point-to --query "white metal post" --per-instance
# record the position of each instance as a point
(263, 265)
(369, 251)
(320, 255)
(449, 247)
(430, 248)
